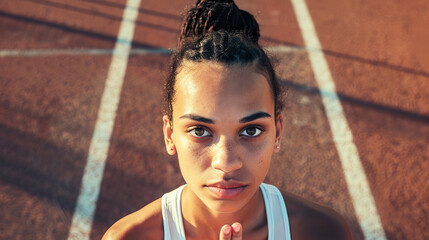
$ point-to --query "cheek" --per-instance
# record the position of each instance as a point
(259, 156)
(192, 158)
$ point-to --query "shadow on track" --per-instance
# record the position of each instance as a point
(356, 101)
(63, 27)
(354, 58)
(141, 10)
(109, 16)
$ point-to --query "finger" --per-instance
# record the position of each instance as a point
(225, 232)
(237, 231)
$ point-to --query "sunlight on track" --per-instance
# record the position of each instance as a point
(357, 182)
(93, 174)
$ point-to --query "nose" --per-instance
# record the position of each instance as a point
(225, 156)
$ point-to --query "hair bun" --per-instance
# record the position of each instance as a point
(199, 2)
(215, 15)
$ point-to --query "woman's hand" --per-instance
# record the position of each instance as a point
(231, 232)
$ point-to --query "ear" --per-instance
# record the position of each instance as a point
(168, 135)
(279, 131)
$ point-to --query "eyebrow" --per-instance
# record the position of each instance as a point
(255, 116)
(197, 118)
(246, 119)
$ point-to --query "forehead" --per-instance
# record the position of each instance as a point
(212, 89)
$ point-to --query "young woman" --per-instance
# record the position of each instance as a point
(224, 121)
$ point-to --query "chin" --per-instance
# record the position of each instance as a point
(225, 206)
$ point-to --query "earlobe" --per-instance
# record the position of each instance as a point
(279, 131)
(277, 146)
(171, 150)
(168, 135)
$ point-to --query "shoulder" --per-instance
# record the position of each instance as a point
(309, 220)
(145, 223)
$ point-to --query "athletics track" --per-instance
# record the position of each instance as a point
(80, 112)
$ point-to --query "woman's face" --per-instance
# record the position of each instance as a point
(223, 131)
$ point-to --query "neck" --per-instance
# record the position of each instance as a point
(201, 222)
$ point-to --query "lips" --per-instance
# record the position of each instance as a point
(226, 189)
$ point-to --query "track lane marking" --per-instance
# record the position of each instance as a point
(356, 179)
(108, 51)
(93, 173)
(78, 51)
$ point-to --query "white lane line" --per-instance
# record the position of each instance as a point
(78, 51)
(107, 51)
(284, 49)
(357, 182)
(93, 174)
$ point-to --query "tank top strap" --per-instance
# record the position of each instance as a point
(277, 217)
(172, 215)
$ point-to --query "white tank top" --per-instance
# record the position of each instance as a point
(277, 218)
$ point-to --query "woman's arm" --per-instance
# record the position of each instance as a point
(145, 223)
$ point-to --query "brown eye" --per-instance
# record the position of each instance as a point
(199, 132)
(251, 132)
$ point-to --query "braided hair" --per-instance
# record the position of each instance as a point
(210, 16)
(218, 31)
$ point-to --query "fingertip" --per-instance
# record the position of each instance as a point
(236, 227)
(226, 229)
(237, 231)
